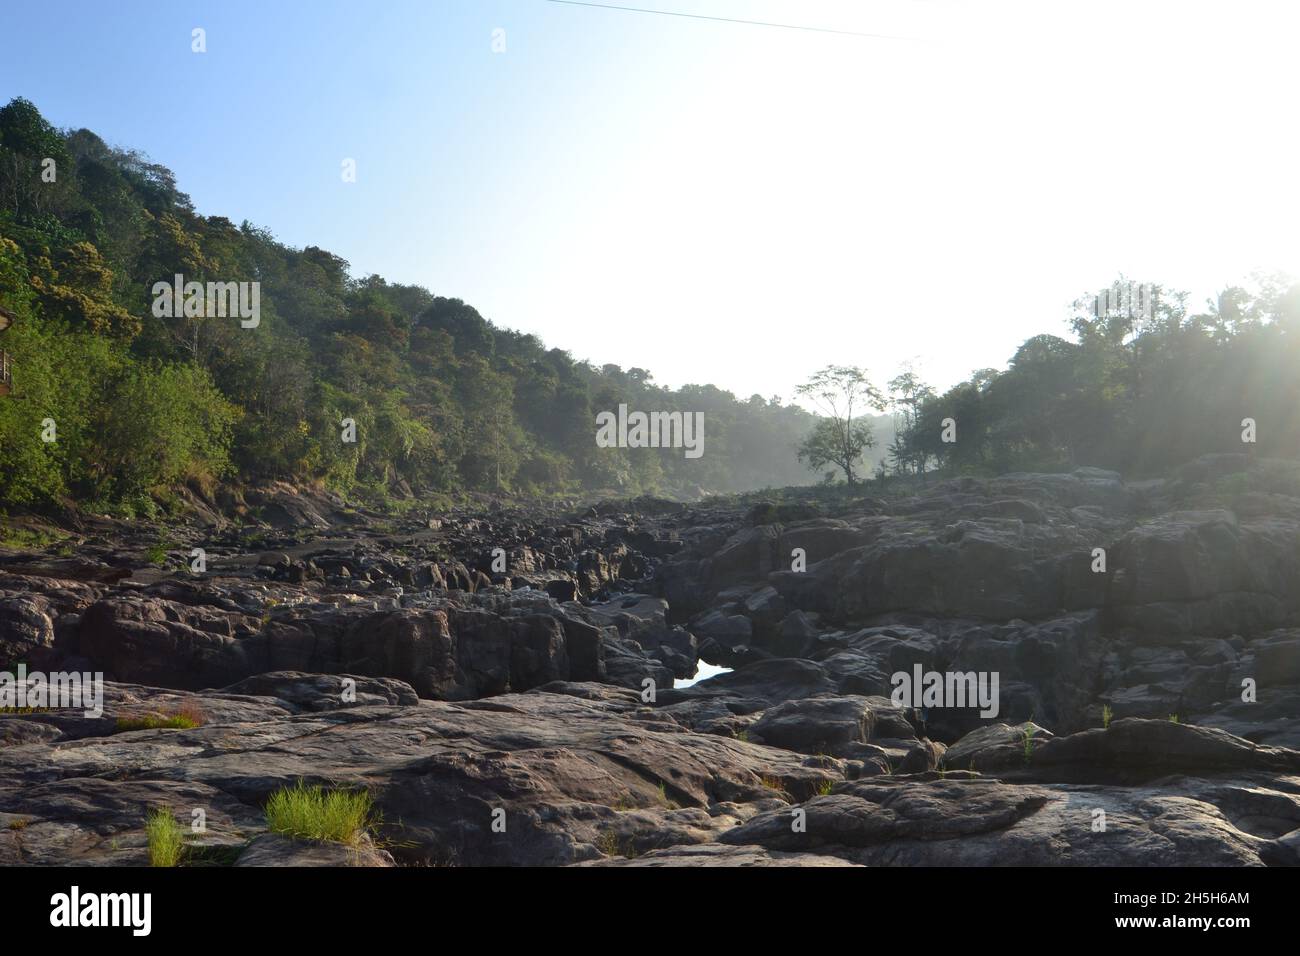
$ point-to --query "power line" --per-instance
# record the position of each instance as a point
(752, 23)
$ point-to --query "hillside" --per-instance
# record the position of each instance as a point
(443, 401)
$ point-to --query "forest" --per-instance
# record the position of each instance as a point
(442, 400)
(114, 401)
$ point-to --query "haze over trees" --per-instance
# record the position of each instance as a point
(446, 402)
(843, 393)
(1140, 396)
(443, 400)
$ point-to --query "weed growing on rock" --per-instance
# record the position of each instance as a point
(313, 813)
(608, 844)
(166, 838)
(184, 717)
(1106, 715)
(157, 552)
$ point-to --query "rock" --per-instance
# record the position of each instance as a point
(830, 725)
(990, 823)
(569, 770)
(316, 692)
(716, 854)
(272, 849)
(392, 652)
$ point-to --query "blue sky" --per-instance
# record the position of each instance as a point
(715, 202)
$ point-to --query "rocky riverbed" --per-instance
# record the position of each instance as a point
(501, 680)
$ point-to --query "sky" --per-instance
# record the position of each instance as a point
(713, 201)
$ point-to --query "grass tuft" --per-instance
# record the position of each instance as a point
(166, 838)
(185, 717)
(1106, 715)
(608, 844)
(313, 813)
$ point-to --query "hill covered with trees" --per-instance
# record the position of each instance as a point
(442, 400)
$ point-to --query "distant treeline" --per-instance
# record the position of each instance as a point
(442, 400)
(1136, 393)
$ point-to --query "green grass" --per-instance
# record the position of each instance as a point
(166, 838)
(313, 813)
(1173, 718)
(1106, 715)
(28, 539)
(1028, 736)
(824, 788)
(184, 717)
(157, 553)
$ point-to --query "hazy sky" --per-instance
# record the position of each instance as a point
(717, 201)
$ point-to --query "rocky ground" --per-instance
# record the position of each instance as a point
(526, 713)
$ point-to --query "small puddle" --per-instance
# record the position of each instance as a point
(703, 672)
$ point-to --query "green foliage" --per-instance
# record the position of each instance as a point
(444, 401)
(165, 836)
(313, 813)
(1106, 715)
(1138, 396)
(28, 539)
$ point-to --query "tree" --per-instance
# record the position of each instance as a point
(839, 439)
(906, 394)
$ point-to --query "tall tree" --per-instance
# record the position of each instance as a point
(843, 393)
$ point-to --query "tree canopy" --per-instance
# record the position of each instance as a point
(443, 399)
